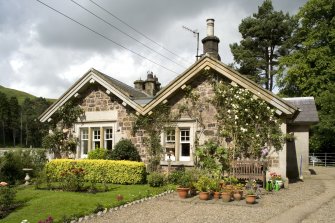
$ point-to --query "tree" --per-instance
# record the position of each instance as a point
(3, 116)
(324, 132)
(264, 41)
(14, 114)
(34, 130)
(309, 69)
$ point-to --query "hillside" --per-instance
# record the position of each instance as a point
(19, 94)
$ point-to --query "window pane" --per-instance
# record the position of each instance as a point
(84, 146)
(84, 133)
(185, 149)
(109, 144)
(185, 135)
(109, 133)
(96, 134)
(96, 144)
(170, 136)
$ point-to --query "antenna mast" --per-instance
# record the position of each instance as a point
(196, 34)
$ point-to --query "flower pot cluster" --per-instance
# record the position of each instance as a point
(275, 183)
(208, 188)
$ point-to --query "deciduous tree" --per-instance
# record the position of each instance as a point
(309, 70)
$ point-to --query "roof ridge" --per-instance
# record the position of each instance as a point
(122, 86)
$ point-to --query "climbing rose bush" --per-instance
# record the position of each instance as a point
(246, 121)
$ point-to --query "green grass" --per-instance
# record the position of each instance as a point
(20, 95)
(40, 204)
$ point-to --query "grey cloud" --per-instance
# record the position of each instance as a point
(59, 43)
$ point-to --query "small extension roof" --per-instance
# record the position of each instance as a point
(308, 113)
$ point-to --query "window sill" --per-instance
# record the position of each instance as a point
(177, 163)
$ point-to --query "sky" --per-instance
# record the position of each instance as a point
(43, 52)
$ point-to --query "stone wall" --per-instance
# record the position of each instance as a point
(95, 98)
(202, 111)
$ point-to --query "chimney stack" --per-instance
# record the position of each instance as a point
(150, 86)
(211, 42)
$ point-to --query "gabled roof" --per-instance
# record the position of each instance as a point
(124, 92)
(222, 69)
(126, 89)
(143, 104)
(308, 113)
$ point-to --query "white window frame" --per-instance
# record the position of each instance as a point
(96, 137)
(170, 143)
(181, 125)
(110, 136)
(94, 125)
(185, 141)
(82, 138)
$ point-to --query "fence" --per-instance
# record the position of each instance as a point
(322, 159)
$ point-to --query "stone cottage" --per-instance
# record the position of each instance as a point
(111, 108)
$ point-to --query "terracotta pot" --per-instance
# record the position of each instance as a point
(203, 195)
(216, 195)
(226, 196)
(250, 199)
(237, 196)
(183, 192)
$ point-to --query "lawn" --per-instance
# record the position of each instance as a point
(40, 204)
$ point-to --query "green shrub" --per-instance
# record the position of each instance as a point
(156, 179)
(100, 171)
(12, 163)
(174, 176)
(72, 179)
(98, 154)
(11, 168)
(124, 150)
(7, 197)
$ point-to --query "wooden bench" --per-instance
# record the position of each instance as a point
(248, 169)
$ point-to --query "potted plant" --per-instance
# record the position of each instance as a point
(276, 179)
(183, 185)
(227, 193)
(203, 186)
(238, 192)
(215, 187)
(194, 174)
(250, 197)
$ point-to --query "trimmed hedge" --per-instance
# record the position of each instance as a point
(101, 171)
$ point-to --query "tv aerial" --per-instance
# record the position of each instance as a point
(196, 34)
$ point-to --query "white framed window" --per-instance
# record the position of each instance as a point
(178, 141)
(170, 144)
(84, 141)
(185, 144)
(170, 136)
(95, 138)
(108, 143)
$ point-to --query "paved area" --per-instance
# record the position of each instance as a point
(310, 201)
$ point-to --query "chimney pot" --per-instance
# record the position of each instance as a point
(210, 27)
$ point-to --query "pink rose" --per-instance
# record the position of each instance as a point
(3, 184)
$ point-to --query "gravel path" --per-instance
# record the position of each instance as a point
(310, 201)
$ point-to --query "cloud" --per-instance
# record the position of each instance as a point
(44, 53)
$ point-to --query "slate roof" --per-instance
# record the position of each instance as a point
(308, 113)
(126, 89)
